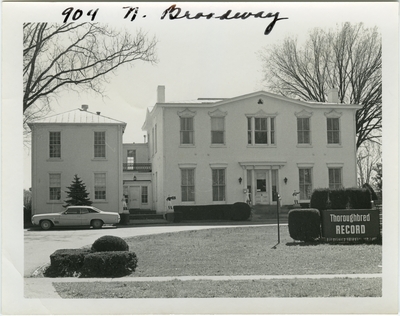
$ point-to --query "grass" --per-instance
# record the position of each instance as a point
(247, 251)
(338, 287)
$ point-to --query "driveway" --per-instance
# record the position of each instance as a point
(39, 244)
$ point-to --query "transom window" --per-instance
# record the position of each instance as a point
(55, 186)
(335, 178)
(217, 130)
(100, 188)
(333, 130)
(187, 185)
(100, 144)
(303, 130)
(55, 144)
(218, 184)
(187, 131)
(305, 183)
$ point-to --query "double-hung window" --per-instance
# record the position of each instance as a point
(217, 130)
(305, 183)
(187, 185)
(261, 130)
(99, 144)
(187, 131)
(303, 130)
(55, 144)
(218, 184)
(54, 186)
(100, 186)
(145, 195)
(333, 130)
(130, 159)
(335, 178)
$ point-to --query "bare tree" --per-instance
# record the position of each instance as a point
(75, 57)
(349, 58)
(368, 157)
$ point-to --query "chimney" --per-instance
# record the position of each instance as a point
(98, 113)
(161, 94)
(333, 95)
(85, 107)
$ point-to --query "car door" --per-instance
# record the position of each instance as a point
(86, 216)
(71, 217)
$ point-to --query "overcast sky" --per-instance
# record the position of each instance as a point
(201, 58)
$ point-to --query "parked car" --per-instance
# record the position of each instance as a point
(76, 216)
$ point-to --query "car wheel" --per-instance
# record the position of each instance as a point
(97, 224)
(46, 225)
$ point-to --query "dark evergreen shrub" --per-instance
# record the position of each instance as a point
(374, 196)
(304, 224)
(319, 199)
(240, 211)
(109, 243)
(359, 198)
(109, 264)
(338, 199)
(66, 262)
(203, 212)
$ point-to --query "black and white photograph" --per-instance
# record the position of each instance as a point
(199, 158)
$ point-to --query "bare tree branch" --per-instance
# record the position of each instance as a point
(349, 58)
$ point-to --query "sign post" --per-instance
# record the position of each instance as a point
(278, 198)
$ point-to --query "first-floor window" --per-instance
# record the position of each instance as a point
(145, 195)
(218, 184)
(100, 188)
(187, 185)
(335, 178)
(305, 183)
(55, 186)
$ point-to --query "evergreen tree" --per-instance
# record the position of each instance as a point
(77, 193)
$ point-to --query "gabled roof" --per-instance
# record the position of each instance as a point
(77, 116)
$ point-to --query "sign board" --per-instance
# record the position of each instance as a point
(350, 223)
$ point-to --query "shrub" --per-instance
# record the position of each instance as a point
(203, 212)
(66, 262)
(304, 224)
(109, 264)
(319, 199)
(240, 211)
(110, 243)
(354, 198)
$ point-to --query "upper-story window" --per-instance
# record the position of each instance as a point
(217, 130)
(100, 144)
(187, 131)
(303, 130)
(303, 127)
(333, 130)
(55, 144)
(261, 129)
(333, 127)
(130, 158)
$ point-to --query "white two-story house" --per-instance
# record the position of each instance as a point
(249, 147)
(77, 142)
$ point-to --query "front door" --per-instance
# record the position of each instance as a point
(134, 198)
(262, 196)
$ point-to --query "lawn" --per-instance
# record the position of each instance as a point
(338, 287)
(247, 251)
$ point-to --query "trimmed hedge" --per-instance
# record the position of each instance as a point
(66, 262)
(110, 243)
(304, 224)
(109, 264)
(237, 211)
(353, 198)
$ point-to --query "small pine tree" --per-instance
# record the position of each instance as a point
(77, 193)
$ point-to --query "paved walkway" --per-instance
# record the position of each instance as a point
(43, 287)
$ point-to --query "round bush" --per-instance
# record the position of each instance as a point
(304, 224)
(110, 243)
(240, 211)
